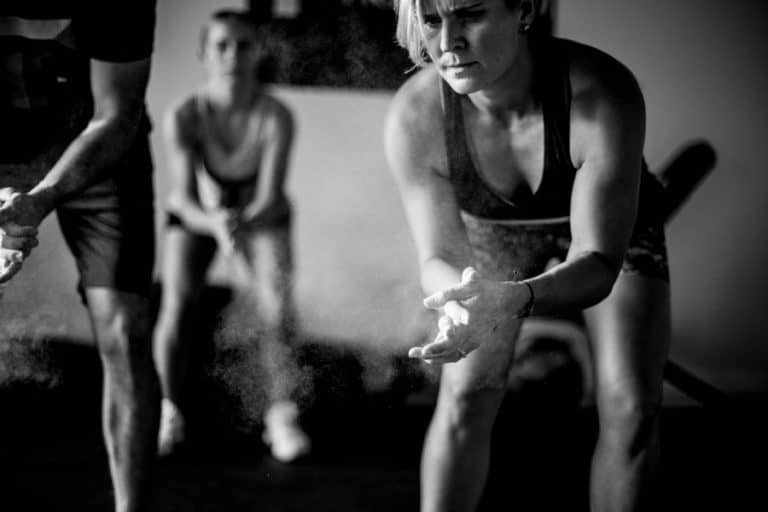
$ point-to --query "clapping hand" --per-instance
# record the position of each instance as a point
(470, 313)
(16, 240)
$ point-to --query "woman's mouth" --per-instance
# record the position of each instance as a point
(460, 67)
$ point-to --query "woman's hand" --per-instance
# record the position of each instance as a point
(15, 244)
(16, 241)
(263, 213)
(10, 264)
(471, 313)
(223, 224)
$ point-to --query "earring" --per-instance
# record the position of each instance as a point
(525, 28)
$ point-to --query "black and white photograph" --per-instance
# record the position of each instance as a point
(377, 255)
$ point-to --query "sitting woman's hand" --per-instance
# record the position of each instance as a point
(223, 224)
(472, 312)
(263, 213)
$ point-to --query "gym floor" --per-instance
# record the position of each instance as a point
(367, 440)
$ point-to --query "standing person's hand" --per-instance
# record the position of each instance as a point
(15, 244)
(21, 208)
(16, 241)
(10, 264)
(471, 313)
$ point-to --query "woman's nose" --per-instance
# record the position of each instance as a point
(451, 36)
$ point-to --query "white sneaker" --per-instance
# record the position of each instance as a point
(171, 433)
(283, 433)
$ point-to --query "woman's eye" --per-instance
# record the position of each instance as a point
(470, 15)
(431, 21)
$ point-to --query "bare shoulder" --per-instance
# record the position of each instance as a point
(607, 106)
(278, 115)
(599, 80)
(181, 116)
(413, 130)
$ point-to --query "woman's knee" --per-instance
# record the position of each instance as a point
(123, 334)
(469, 407)
(175, 305)
(629, 419)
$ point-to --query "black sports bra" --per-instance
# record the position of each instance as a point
(552, 198)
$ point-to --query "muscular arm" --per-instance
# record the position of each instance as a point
(430, 207)
(274, 166)
(417, 157)
(118, 93)
(609, 134)
(181, 161)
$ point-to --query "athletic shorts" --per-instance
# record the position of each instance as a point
(110, 227)
(172, 220)
(514, 250)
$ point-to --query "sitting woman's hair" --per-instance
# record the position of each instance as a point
(256, 21)
(244, 18)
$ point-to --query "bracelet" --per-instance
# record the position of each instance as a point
(527, 309)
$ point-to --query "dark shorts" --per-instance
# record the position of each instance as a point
(518, 250)
(110, 227)
(283, 220)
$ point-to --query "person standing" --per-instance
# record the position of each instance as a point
(74, 140)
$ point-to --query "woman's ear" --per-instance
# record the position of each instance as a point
(527, 15)
(527, 11)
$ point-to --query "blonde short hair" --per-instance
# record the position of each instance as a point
(408, 32)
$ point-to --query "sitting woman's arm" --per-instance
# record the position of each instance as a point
(269, 201)
(182, 159)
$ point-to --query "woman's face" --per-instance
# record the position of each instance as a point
(473, 43)
(230, 50)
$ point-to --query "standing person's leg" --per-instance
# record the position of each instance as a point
(114, 251)
(186, 258)
(130, 392)
(456, 453)
(271, 258)
(110, 230)
(629, 334)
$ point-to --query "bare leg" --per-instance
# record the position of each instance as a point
(271, 260)
(456, 456)
(629, 332)
(130, 403)
(186, 259)
(273, 291)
